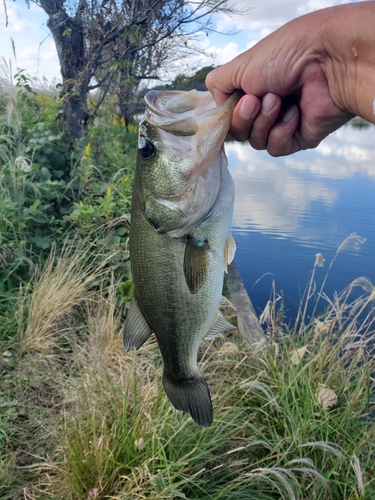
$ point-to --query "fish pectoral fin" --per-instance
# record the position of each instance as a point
(191, 396)
(136, 329)
(220, 325)
(195, 263)
(229, 251)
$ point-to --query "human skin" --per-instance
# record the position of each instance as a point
(303, 81)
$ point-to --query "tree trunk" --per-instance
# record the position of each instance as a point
(125, 106)
(75, 115)
(69, 40)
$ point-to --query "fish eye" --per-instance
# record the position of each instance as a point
(146, 149)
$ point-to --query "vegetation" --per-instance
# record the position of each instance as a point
(82, 419)
(183, 82)
(115, 45)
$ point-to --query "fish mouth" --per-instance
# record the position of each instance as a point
(188, 131)
(184, 113)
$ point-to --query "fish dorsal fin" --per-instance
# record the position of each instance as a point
(195, 263)
(136, 329)
(229, 251)
(220, 325)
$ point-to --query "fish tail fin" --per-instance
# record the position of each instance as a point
(191, 396)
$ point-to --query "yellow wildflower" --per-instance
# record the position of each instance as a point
(126, 179)
(117, 143)
(44, 99)
(115, 119)
(109, 191)
(133, 128)
(87, 151)
(122, 121)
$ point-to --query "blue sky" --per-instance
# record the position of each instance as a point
(36, 52)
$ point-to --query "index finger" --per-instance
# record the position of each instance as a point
(219, 84)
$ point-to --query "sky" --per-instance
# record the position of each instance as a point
(36, 51)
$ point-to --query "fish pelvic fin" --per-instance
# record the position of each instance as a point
(191, 396)
(229, 251)
(136, 329)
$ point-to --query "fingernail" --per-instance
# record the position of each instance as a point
(268, 103)
(290, 114)
(248, 108)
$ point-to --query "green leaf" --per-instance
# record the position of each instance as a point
(126, 289)
(43, 242)
(35, 205)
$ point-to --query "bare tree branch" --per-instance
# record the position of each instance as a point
(119, 44)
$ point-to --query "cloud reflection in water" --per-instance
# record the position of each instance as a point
(288, 209)
(280, 196)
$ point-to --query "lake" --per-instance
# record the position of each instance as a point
(291, 208)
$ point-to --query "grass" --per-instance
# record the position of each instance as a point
(83, 419)
(58, 290)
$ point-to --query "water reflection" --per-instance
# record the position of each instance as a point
(288, 209)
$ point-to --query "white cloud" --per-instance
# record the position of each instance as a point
(313, 5)
(259, 19)
(224, 54)
(35, 48)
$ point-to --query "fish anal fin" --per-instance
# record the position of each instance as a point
(136, 329)
(191, 396)
(229, 251)
(195, 263)
(220, 325)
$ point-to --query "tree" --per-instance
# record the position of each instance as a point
(105, 42)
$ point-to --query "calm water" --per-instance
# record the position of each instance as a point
(288, 209)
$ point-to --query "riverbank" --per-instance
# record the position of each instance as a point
(247, 320)
(83, 419)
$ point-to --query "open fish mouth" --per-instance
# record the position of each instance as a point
(186, 113)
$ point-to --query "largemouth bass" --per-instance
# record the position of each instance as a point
(180, 242)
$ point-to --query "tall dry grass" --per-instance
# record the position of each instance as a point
(65, 282)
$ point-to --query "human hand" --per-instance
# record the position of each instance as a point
(290, 104)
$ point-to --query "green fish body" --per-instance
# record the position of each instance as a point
(180, 242)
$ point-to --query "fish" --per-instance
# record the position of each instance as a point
(180, 243)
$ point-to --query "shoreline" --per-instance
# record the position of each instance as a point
(248, 324)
